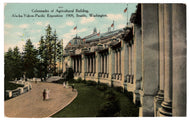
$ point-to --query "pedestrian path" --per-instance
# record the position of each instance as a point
(31, 104)
(53, 78)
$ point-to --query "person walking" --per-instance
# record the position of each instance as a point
(47, 94)
(72, 87)
(44, 94)
(64, 84)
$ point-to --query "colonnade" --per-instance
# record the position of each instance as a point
(151, 64)
(163, 87)
(104, 65)
(90, 64)
(77, 64)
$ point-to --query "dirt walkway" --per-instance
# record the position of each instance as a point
(31, 104)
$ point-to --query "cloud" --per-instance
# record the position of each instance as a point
(79, 31)
(121, 26)
(8, 26)
(20, 45)
(39, 23)
(36, 44)
(115, 16)
(69, 23)
(42, 23)
(46, 23)
(61, 26)
(23, 26)
(19, 33)
(68, 36)
(35, 31)
(85, 20)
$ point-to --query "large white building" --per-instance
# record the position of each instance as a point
(147, 58)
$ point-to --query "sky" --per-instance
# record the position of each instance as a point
(18, 29)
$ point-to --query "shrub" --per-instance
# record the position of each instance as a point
(84, 81)
(110, 95)
(119, 89)
(108, 109)
(102, 87)
(91, 83)
(68, 75)
(111, 108)
(79, 80)
(129, 94)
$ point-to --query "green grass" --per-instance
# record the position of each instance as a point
(88, 103)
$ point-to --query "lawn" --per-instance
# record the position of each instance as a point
(88, 103)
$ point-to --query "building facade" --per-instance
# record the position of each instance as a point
(147, 58)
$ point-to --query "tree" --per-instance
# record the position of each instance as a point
(13, 64)
(17, 63)
(59, 53)
(54, 49)
(48, 43)
(68, 75)
(8, 65)
(29, 59)
(42, 52)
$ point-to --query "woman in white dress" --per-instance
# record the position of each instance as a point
(47, 94)
(64, 84)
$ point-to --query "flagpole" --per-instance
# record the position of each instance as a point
(113, 25)
(127, 15)
(76, 32)
(62, 54)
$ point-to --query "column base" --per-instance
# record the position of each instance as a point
(166, 109)
(157, 102)
(147, 105)
(160, 96)
(136, 97)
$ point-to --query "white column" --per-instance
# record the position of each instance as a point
(90, 64)
(79, 64)
(137, 63)
(120, 61)
(160, 95)
(83, 65)
(179, 105)
(161, 45)
(105, 71)
(102, 63)
(87, 64)
(116, 62)
(166, 109)
(91, 61)
(127, 60)
(75, 64)
(129, 48)
(97, 61)
(94, 64)
(150, 58)
(124, 61)
(111, 58)
(108, 63)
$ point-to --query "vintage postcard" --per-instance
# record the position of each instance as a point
(94, 60)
